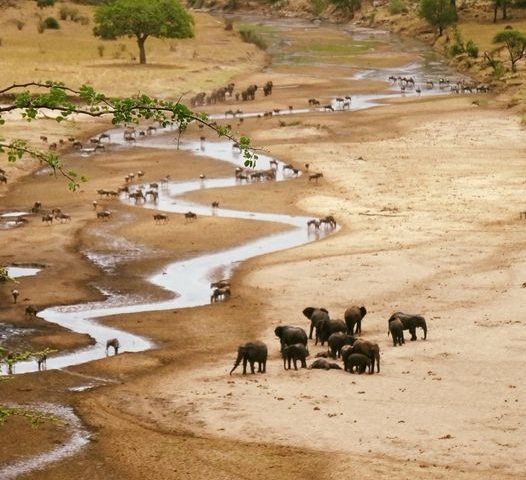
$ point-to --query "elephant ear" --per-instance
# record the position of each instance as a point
(363, 311)
(308, 312)
(277, 331)
(324, 310)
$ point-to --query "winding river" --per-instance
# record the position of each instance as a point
(189, 280)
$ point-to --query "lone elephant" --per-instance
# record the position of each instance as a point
(315, 315)
(369, 349)
(396, 329)
(293, 353)
(353, 316)
(289, 335)
(411, 323)
(252, 352)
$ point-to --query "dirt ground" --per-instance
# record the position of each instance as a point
(428, 195)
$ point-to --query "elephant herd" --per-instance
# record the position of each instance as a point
(358, 355)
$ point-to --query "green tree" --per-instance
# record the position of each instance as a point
(142, 19)
(515, 42)
(438, 13)
(347, 6)
(500, 4)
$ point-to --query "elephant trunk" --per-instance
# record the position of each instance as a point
(238, 361)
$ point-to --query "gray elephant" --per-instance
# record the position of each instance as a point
(289, 335)
(336, 341)
(293, 353)
(324, 364)
(369, 349)
(315, 315)
(411, 323)
(353, 316)
(252, 352)
(327, 327)
(396, 329)
(357, 362)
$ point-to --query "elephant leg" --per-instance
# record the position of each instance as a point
(311, 330)
(264, 367)
(252, 366)
(359, 327)
(245, 360)
(303, 363)
(412, 331)
(295, 363)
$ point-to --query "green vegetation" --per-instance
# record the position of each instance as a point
(253, 34)
(45, 3)
(348, 7)
(318, 6)
(35, 418)
(51, 23)
(458, 47)
(438, 13)
(397, 6)
(515, 43)
(142, 19)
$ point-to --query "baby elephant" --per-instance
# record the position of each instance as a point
(295, 352)
(323, 363)
(358, 362)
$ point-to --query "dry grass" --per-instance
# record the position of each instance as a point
(71, 54)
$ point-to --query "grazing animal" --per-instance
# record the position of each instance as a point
(314, 102)
(328, 221)
(48, 218)
(104, 214)
(215, 204)
(36, 207)
(63, 217)
(315, 176)
(113, 342)
(160, 218)
(220, 293)
(190, 216)
(220, 284)
(313, 223)
(41, 361)
(31, 311)
(15, 293)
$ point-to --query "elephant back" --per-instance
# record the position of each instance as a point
(290, 335)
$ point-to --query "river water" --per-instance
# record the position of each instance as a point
(189, 280)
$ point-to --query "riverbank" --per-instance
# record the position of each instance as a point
(429, 215)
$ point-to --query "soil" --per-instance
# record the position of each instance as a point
(427, 193)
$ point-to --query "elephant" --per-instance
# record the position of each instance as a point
(327, 327)
(295, 352)
(353, 316)
(113, 342)
(357, 362)
(315, 315)
(252, 352)
(411, 323)
(324, 364)
(336, 341)
(369, 349)
(396, 328)
(289, 335)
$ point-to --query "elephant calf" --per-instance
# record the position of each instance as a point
(336, 341)
(252, 352)
(396, 329)
(295, 352)
(324, 364)
(357, 362)
(367, 348)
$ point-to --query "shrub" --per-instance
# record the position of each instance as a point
(396, 7)
(19, 24)
(471, 49)
(318, 6)
(51, 23)
(41, 27)
(63, 13)
(249, 35)
(45, 3)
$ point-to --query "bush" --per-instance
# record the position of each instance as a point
(51, 23)
(471, 49)
(318, 6)
(458, 47)
(45, 3)
(19, 24)
(396, 7)
(249, 35)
